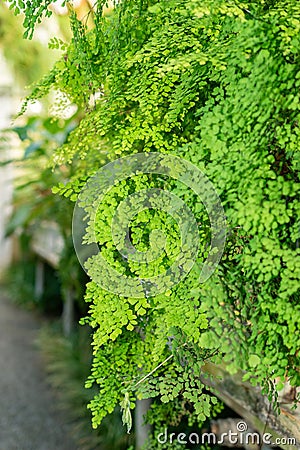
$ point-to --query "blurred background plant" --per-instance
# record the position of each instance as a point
(34, 204)
(68, 361)
(28, 60)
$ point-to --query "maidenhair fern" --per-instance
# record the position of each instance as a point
(216, 83)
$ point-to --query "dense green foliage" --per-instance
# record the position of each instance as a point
(216, 83)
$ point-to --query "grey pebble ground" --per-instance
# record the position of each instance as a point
(29, 419)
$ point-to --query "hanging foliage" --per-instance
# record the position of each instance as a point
(216, 83)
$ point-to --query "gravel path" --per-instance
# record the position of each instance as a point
(28, 416)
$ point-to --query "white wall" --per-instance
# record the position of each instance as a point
(7, 109)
